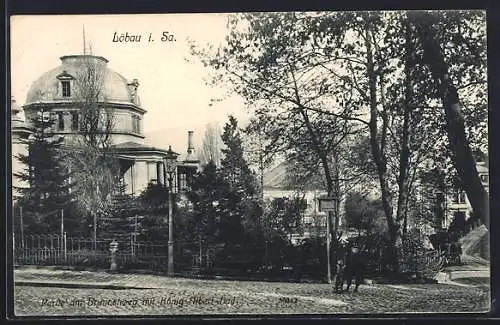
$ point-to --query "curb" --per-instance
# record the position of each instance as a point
(470, 274)
(77, 285)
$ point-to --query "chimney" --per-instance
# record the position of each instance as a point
(190, 150)
(190, 143)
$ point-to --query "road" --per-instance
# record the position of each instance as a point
(181, 296)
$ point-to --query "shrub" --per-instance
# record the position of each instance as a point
(419, 260)
(448, 243)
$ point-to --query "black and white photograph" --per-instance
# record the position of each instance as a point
(249, 163)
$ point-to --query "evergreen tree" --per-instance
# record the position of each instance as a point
(48, 191)
(243, 213)
(154, 204)
(234, 167)
(123, 220)
(209, 194)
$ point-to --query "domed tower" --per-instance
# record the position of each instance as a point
(64, 90)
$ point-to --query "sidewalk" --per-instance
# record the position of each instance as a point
(47, 277)
(201, 296)
(86, 279)
(462, 272)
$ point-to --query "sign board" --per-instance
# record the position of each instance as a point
(326, 204)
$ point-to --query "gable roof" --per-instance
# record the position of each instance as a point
(276, 177)
(138, 147)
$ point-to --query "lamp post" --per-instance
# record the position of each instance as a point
(170, 161)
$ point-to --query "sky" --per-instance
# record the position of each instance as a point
(172, 90)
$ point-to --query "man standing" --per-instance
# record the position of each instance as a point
(354, 267)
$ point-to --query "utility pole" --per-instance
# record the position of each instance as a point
(170, 269)
(328, 244)
(327, 204)
(170, 169)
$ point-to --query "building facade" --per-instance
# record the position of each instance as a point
(59, 91)
(457, 205)
(275, 186)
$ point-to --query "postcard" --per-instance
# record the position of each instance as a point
(243, 164)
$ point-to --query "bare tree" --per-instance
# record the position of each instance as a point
(94, 168)
(96, 120)
(212, 145)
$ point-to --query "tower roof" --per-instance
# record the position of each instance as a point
(115, 88)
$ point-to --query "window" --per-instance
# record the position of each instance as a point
(459, 197)
(136, 124)
(60, 124)
(182, 182)
(133, 123)
(484, 178)
(74, 121)
(66, 88)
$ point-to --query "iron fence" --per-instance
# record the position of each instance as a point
(57, 250)
(54, 249)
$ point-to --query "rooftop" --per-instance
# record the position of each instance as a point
(116, 88)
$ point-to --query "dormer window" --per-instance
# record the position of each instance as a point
(66, 88)
(65, 79)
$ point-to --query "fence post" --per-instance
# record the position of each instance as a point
(65, 248)
(31, 247)
(22, 226)
(132, 247)
(113, 247)
(14, 246)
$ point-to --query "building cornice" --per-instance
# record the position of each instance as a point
(70, 103)
(83, 56)
(113, 132)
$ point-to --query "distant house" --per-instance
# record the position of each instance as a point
(276, 185)
(457, 204)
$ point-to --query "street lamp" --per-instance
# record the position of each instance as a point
(170, 163)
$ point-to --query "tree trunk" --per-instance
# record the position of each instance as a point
(336, 184)
(379, 157)
(455, 123)
(404, 154)
(329, 182)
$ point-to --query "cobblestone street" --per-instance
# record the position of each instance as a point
(177, 296)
